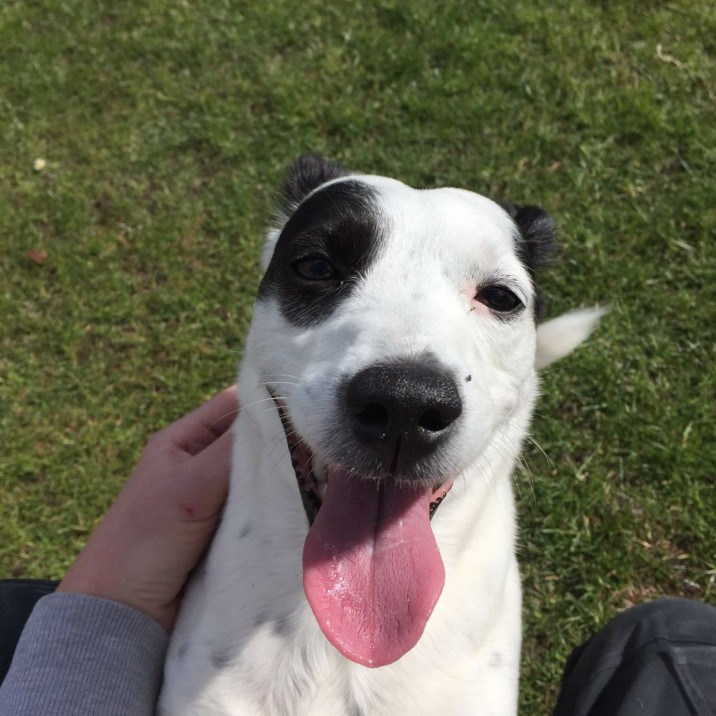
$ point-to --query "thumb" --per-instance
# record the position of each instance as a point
(210, 471)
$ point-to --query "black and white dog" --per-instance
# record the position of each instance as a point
(365, 564)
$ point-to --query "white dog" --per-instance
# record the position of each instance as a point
(365, 564)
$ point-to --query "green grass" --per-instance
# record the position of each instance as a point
(165, 128)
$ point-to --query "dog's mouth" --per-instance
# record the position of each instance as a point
(372, 571)
(312, 472)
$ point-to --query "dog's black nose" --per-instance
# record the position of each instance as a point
(402, 411)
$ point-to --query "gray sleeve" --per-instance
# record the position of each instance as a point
(80, 655)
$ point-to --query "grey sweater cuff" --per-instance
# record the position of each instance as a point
(80, 655)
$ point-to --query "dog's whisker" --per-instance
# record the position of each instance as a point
(527, 472)
(262, 401)
(528, 436)
(501, 449)
(343, 341)
(223, 417)
(283, 453)
(482, 465)
(486, 474)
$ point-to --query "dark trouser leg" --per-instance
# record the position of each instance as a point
(656, 659)
(17, 600)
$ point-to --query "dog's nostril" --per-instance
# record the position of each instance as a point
(434, 421)
(374, 415)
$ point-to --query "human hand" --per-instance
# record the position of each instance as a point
(162, 521)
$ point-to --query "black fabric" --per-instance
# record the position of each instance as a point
(17, 600)
(657, 659)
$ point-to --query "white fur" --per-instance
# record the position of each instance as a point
(560, 336)
(246, 642)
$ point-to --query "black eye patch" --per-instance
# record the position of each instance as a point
(322, 251)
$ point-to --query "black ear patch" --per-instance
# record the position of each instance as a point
(538, 242)
(307, 173)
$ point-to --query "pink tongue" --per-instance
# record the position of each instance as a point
(372, 571)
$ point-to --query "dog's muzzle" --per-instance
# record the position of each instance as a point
(401, 412)
(398, 414)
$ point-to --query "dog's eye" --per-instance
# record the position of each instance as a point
(498, 298)
(315, 268)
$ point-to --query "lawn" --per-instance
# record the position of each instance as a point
(128, 252)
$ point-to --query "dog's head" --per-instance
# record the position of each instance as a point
(396, 331)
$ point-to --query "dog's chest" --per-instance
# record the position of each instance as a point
(302, 675)
(249, 644)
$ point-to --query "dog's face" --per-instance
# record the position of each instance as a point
(395, 329)
(375, 292)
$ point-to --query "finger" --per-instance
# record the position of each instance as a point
(219, 413)
(211, 468)
(203, 425)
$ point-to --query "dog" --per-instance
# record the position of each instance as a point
(365, 563)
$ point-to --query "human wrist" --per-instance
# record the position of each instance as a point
(78, 581)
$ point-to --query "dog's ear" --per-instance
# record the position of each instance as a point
(538, 245)
(561, 335)
(538, 242)
(538, 232)
(307, 173)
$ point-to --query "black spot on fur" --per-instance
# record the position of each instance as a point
(338, 224)
(352, 708)
(495, 660)
(261, 619)
(221, 658)
(245, 531)
(282, 626)
(303, 176)
(538, 242)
